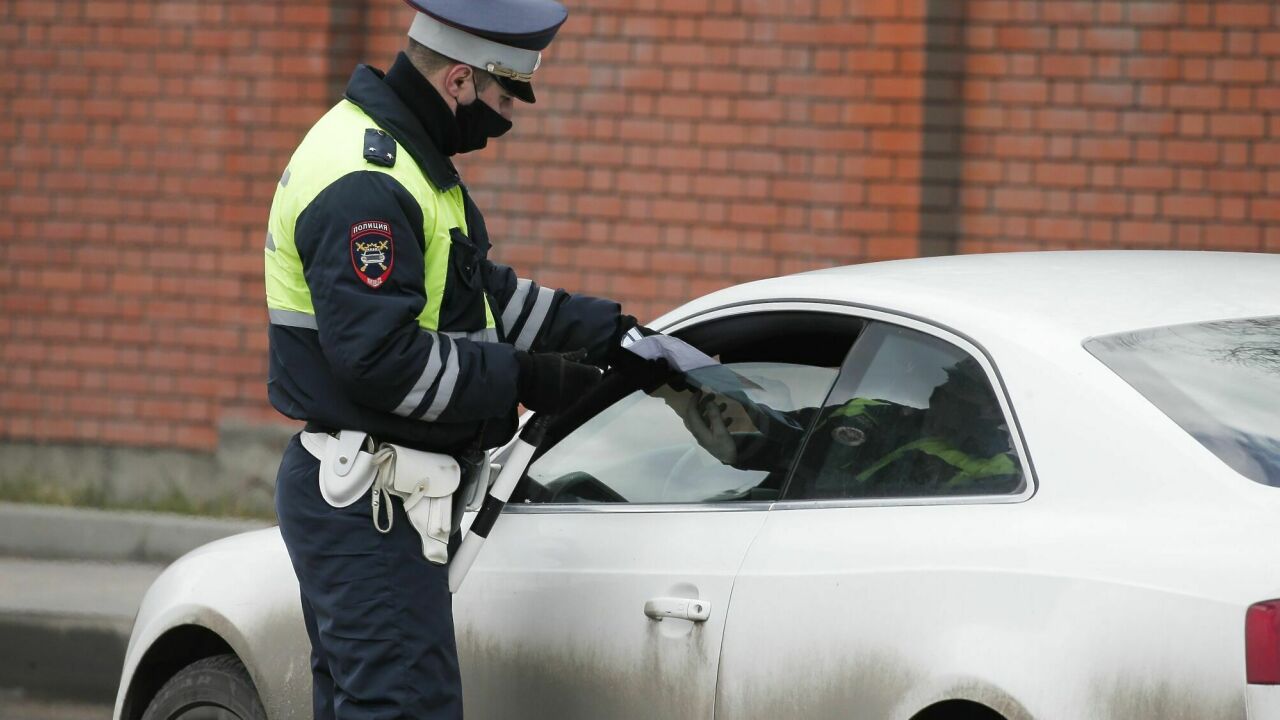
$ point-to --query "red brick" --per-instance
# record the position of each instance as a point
(871, 60)
(1242, 181)
(1207, 97)
(1237, 125)
(1107, 94)
(1149, 123)
(1110, 39)
(1147, 178)
(890, 34)
(1105, 148)
(1145, 234)
(645, 26)
(867, 166)
(1021, 91)
(1189, 206)
(1239, 71)
(1204, 42)
(1195, 69)
(1153, 13)
(1153, 68)
(1232, 208)
(1192, 152)
(33, 10)
(1240, 98)
(1010, 199)
(1264, 209)
(1250, 14)
(1058, 228)
(304, 16)
(1067, 11)
(1061, 174)
(1108, 204)
(713, 29)
(1066, 65)
(1019, 37)
(1269, 43)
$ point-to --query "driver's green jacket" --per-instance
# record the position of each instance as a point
(873, 447)
(386, 314)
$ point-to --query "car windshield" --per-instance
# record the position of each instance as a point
(1219, 380)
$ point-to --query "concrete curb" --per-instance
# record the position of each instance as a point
(51, 532)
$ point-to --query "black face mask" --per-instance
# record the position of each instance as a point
(477, 123)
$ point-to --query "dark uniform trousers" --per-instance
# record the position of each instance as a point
(380, 616)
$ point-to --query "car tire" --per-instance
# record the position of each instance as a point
(215, 688)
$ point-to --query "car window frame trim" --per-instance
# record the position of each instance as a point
(862, 311)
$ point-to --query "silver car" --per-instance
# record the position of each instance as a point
(1005, 486)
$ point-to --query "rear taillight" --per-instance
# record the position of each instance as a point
(1262, 643)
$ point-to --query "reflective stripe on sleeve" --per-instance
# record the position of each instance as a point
(292, 318)
(536, 316)
(448, 379)
(515, 305)
(633, 336)
(420, 388)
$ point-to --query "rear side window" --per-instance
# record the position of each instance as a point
(1220, 381)
(910, 416)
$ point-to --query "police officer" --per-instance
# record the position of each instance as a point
(388, 318)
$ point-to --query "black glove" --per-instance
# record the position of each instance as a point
(625, 324)
(644, 374)
(551, 382)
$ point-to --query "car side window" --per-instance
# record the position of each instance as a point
(910, 416)
(645, 449)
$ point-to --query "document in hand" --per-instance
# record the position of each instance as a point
(680, 355)
(698, 369)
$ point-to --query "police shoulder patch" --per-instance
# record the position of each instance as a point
(372, 252)
(379, 147)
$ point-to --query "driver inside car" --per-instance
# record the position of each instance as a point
(864, 447)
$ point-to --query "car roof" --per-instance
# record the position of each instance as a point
(1076, 294)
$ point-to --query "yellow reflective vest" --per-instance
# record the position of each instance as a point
(385, 313)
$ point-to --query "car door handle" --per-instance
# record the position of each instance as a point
(682, 608)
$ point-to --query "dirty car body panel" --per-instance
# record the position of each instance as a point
(1111, 580)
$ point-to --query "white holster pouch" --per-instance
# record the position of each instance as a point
(425, 481)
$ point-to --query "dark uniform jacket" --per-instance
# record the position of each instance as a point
(386, 314)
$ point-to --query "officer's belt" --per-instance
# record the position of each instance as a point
(351, 463)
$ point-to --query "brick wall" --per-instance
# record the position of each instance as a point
(691, 145)
(1103, 124)
(139, 152)
(678, 146)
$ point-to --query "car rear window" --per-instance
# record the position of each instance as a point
(1220, 381)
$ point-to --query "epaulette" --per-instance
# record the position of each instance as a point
(379, 148)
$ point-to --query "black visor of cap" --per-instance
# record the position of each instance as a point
(522, 90)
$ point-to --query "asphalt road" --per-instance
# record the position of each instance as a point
(13, 707)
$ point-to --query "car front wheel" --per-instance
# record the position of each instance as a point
(215, 688)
